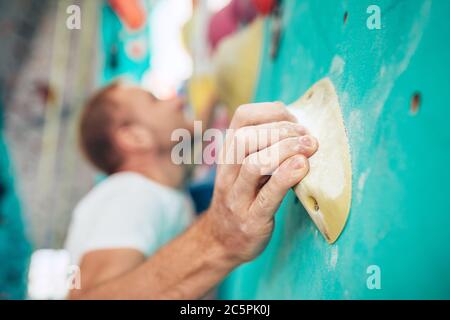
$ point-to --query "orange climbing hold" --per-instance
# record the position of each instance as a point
(264, 7)
(131, 12)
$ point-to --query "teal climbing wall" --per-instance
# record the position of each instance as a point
(400, 215)
(15, 249)
(117, 43)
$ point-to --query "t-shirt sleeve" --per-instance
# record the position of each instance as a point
(130, 219)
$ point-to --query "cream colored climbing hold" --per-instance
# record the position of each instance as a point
(326, 190)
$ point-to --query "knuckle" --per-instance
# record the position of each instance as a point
(283, 112)
(304, 159)
(241, 111)
(230, 202)
(268, 159)
(290, 143)
(241, 132)
(277, 181)
(251, 165)
(287, 124)
(278, 105)
(284, 129)
(310, 138)
(302, 130)
(240, 136)
(220, 188)
(263, 199)
(247, 230)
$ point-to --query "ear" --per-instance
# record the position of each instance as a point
(134, 138)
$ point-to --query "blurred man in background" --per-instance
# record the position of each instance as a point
(125, 132)
(120, 231)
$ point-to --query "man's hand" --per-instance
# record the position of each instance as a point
(245, 196)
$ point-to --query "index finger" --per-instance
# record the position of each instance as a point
(260, 113)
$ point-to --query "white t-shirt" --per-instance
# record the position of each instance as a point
(127, 210)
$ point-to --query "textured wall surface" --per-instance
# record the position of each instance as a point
(46, 71)
(17, 21)
(400, 212)
(14, 246)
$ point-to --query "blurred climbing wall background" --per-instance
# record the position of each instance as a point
(47, 71)
(393, 89)
(18, 21)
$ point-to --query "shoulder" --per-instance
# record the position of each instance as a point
(121, 183)
(117, 188)
(120, 212)
(121, 200)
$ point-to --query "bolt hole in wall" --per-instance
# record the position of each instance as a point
(416, 101)
(345, 17)
(316, 205)
(312, 202)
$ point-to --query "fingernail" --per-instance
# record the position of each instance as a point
(298, 163)
(306, 141)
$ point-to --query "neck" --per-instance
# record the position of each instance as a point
(160, 169)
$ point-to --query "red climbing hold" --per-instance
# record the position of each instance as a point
(265, 7)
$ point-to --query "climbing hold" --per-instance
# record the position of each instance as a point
(264, 7)
(245, 44)
(326, 190)
(131, 12)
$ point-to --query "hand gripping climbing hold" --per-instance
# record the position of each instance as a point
(326, 190)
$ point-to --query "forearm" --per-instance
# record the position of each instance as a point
(186, 268)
